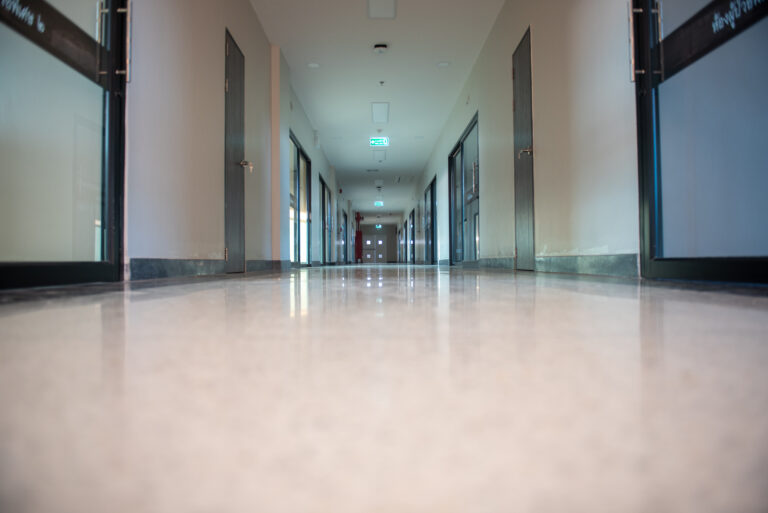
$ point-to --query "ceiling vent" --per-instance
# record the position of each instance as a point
(380, 112)
(382, 9)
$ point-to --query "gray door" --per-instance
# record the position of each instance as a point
(524, 235)
(234, 142)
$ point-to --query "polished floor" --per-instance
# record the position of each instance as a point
(394, 389)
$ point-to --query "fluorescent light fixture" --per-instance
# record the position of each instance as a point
(382, 9)
(379, 155)
(379, 142)
(378, 203)
(380, 112)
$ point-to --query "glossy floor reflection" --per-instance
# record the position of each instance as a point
(395, 389)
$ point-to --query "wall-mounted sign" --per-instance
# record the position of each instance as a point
(378, 227)
(379, 142)
(378, 203)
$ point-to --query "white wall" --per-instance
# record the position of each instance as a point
(294, 119)
(585, 168)
(175, 129)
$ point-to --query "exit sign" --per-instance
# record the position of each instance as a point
(378, 142)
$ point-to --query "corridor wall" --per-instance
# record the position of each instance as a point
(175, 136)
(585, 157)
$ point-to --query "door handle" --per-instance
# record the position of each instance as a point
(529, 151)
(247, 164)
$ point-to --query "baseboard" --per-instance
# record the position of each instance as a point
(625, 265)
(252, 266)
(154, 268)
(498, 263)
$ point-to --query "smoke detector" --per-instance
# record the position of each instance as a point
(380, 48)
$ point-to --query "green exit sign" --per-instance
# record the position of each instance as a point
(378, 142)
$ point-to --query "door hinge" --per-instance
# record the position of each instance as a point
(226, 85)
(226, 254)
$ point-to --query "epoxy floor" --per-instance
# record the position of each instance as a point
(394, 389)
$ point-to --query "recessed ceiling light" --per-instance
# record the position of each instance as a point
(382, 9)
(443, 64)
(313, 65)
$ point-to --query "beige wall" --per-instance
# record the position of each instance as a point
(175, 129)
(585, 169)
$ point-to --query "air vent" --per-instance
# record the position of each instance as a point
(382, 9)
(380, 112)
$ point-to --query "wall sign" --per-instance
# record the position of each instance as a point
(45, 26)
(709, 28)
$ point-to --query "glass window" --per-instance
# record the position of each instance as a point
(51, 187)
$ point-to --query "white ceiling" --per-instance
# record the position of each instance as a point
(337, 96)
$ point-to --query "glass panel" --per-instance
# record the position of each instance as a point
(51, 125)
(304, 212)
(713, 119)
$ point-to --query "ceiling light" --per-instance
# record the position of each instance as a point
(382, 9)
(380, 112)
(313, 65)
(443, 64)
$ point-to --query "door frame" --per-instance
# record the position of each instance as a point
(84, 55)
(673, 54)
(430, 247)
(301, 153)
(458, 151)
(326, 224)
